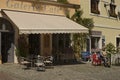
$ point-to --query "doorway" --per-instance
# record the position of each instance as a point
(6, 41)
(7, 47)
(95, 42)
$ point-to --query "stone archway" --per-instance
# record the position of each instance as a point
(6, 41)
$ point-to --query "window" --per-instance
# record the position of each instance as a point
(94, 6)
(118, 42)
(119, 15)
(112, 10)
(112, 1)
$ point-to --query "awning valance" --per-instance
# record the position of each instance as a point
(29, 23)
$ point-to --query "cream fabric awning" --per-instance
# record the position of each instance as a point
(29, 23)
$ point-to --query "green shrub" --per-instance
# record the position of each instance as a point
(110, 48)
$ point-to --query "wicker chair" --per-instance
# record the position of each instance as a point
(48, 61)
(39, 63)
(26, 62)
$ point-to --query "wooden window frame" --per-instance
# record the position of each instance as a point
(112, 11)
(112, 1)
(94, 6)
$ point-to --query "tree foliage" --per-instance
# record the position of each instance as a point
(110, 49)
(118, 50)
(79, 42)
(87, 22)
(22, 49)
(77, 16)
(81, 38)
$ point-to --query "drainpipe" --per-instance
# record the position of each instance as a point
(90, 43)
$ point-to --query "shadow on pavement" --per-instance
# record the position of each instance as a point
(5, 76)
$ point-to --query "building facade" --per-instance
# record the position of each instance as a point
(106, 17)
(36, 28)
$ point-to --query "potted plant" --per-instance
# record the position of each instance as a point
(110, 49)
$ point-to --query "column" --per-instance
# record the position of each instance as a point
(41, 44)
(50, 44)
(100, 43)
(71, 39)
(0, 48)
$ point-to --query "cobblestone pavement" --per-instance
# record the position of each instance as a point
(60, 72)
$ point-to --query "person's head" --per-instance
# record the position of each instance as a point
(95, 53)
(38, 56)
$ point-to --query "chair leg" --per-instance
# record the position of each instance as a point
(40, 68)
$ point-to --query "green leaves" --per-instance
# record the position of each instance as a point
(77, 16)
(118, 50)
(87, 22)
(81, 38)
(110, 49)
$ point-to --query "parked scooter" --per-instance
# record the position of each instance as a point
(107, 62)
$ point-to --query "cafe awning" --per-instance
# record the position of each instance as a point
(30, 23)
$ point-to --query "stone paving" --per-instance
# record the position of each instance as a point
(60, 72)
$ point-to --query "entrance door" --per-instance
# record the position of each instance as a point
(7, 40)
(7, 52)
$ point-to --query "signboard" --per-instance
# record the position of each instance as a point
(30, 6)
(96, 33)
